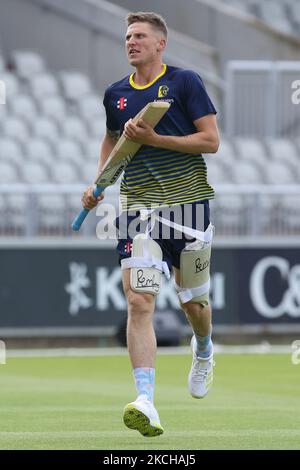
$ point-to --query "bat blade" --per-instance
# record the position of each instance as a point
(122, 154)
(124, 150)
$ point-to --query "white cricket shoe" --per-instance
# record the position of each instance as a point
(201, 373)
(142, 416)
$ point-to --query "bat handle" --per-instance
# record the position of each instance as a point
(80, 217)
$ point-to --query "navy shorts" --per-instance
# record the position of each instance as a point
(193, 216)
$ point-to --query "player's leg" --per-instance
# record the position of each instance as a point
(142, 272)
(141, 341)
(199, 316)
(192, 284)
(142, 264)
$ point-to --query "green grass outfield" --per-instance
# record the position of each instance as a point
(77, 403)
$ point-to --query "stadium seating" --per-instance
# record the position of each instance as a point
(274, 13)
(68, 150)
(16, 205)
(252, 150)
(279, 173)
(43, 84)
(75, 85)
(290, 212)
(90, 107)
(27, 63)
(64, 172)
(34, 172)
(47, 129)
(10, 151)
(74, 128)
(15, 129)
(245, 172)
(51, 213)
(39, 150)
(23, 106)
(295, 13)
(217, 173)
(226, 153)
(89, 172)
(53, 107)
(3, 113)
(92, 149)
(11, 84)
(283, 15)
(283, 150)
(228, 212)
(97, 128)
(8, 173)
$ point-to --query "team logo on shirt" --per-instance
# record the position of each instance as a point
(128, 247)
(163, 91)
(122, 103)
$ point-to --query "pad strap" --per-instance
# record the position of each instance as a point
(148, 262)
(202, 236)
(205, 237)
(186, 295)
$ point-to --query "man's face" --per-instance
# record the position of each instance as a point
(143, 44)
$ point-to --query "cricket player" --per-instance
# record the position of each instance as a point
(169, 171)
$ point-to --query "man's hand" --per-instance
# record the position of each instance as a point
(88, 200)
(141, 132)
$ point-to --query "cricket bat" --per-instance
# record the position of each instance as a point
(122, 154)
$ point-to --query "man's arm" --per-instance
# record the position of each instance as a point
(205, 140)
(107, 144)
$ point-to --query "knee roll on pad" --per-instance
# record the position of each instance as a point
(146, 265)
(194, 271)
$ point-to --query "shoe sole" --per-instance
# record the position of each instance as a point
(135, 419)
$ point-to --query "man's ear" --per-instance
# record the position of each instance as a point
(161, 44)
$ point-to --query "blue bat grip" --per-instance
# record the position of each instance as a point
(78, 221)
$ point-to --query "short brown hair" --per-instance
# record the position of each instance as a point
(157, 21)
